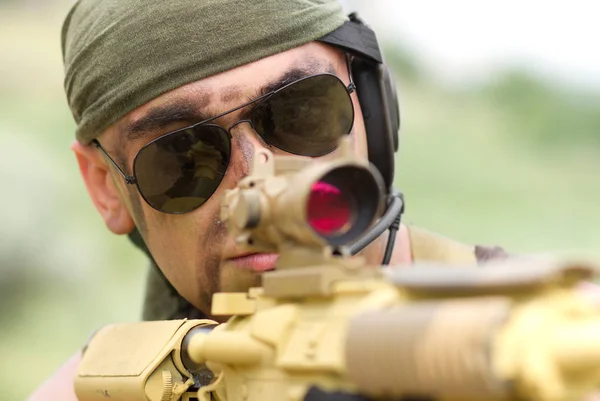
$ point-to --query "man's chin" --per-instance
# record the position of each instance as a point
(236, 279)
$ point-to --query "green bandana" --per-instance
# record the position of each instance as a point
(120, 54)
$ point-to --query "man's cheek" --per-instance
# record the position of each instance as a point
(173, 242)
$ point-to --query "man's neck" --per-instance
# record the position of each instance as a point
(401, 254)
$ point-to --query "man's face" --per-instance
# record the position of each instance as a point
(194, 249)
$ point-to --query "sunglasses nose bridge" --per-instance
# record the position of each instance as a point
(235, 124)
(249, 121)
(263, 140)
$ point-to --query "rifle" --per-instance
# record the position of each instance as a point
(325, 326)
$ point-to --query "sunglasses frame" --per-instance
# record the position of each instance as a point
(132, 180)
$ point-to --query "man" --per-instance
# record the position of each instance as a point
(172, 98)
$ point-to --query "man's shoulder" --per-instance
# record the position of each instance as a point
(427, 246)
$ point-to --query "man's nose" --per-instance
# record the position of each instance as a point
(245, 141)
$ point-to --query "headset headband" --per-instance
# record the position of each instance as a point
(356, 38)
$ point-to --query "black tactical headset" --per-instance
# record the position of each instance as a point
(378, 100)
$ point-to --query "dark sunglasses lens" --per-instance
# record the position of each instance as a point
(307, 117)
(180, 171)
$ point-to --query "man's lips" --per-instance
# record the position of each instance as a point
(259, 262)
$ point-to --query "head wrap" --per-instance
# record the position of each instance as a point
(120, 54)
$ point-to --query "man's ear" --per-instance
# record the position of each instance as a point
(100, 186)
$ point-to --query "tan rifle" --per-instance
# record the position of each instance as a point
(325, 326)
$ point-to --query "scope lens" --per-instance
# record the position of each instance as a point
(329, 211)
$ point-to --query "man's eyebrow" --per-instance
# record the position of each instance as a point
(186, 110)
(294, 74)
(160, 117)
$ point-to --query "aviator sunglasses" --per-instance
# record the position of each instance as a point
(179, 171)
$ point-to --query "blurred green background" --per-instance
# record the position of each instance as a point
(510, 160)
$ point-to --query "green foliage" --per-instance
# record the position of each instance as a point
(545, 114)
(402, 62)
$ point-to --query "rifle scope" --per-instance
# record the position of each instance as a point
(315, 204)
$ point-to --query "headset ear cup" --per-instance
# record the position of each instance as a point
(393, 106)
(380, 113)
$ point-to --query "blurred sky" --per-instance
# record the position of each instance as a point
(458, 40)
(469, 39)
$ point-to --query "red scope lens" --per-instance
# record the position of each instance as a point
(329, 210)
